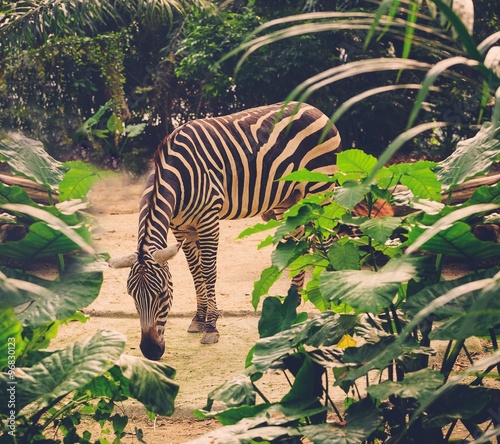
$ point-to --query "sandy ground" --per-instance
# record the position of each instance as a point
(200, 368)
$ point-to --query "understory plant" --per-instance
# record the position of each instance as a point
(48, 393)
(392, 333)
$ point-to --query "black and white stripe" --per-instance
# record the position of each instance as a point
(212, 169)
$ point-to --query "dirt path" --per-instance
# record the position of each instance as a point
(200, 368)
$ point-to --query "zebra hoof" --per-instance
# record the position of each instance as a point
(210, 337)
(196, 327)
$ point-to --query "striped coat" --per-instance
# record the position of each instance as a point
(212, 169)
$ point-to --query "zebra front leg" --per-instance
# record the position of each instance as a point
(192, 252)
(208, 233)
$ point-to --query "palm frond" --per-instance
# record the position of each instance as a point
(32, 23)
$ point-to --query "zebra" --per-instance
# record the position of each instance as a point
(212, 169)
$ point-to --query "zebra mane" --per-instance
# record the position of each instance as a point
(146, 202)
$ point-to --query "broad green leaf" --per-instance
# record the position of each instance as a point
(52, 236)
(423, 183)
(41, 241)
(287, 252)
(64, 371)
(482, 315)
(414, 385)
(355, 161)
(325, 329)
(366, 352)
(459, 402)
(380, 229)
(237, 391)
(350, 194)
(419, 237)
(267, 278)
(485, 194)
(246, 432)
(53, 300)
(235, 414)
(258, 228)
(17, 196)
(370, 291)
(306, 385)
(28, 158)
(362, 419)
(150, 383)
(344, 256)
(266, 421)
(456, 241)
(420, 300)
(277, 316)
(314, 295)
(307, 176)
(471, 158)
(298, 215)
(11, 341)
(78, 181)
(135, 130)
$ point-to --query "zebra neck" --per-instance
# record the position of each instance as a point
(157, 207)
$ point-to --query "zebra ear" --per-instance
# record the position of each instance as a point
(123, 262)
(163, 256)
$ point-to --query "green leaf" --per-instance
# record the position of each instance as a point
(287, 252)
(11, 341)
(53, 300)
(307, 383)
(258, 228)
(52, 236)
(456, 241)
(423, 183)
(414, 385)
(150, 383)
(277, 316)
(64, 371)
(237, 391)
(485, 194)
(325, 329)
(370, 291)
(424, 297)
(78, 181)
(355, 161)
(27, 157)
(471, 158)
(380, 229)
(350, 194)
(362, 419)
(307, 176)
(267, 278)
(41, 241)
(135, 130)
(344, 256)
(451, 233)
(482, 315)
(459, 402)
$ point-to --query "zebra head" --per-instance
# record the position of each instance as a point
(150, 284)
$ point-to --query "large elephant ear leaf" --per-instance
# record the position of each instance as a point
(471, 158)
(27, 157)
(150, 383)
(64, 371)
(362, 419)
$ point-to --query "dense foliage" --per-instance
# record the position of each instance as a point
(47, 392)
(160, 63)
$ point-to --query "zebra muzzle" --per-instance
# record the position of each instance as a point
(152, 345)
